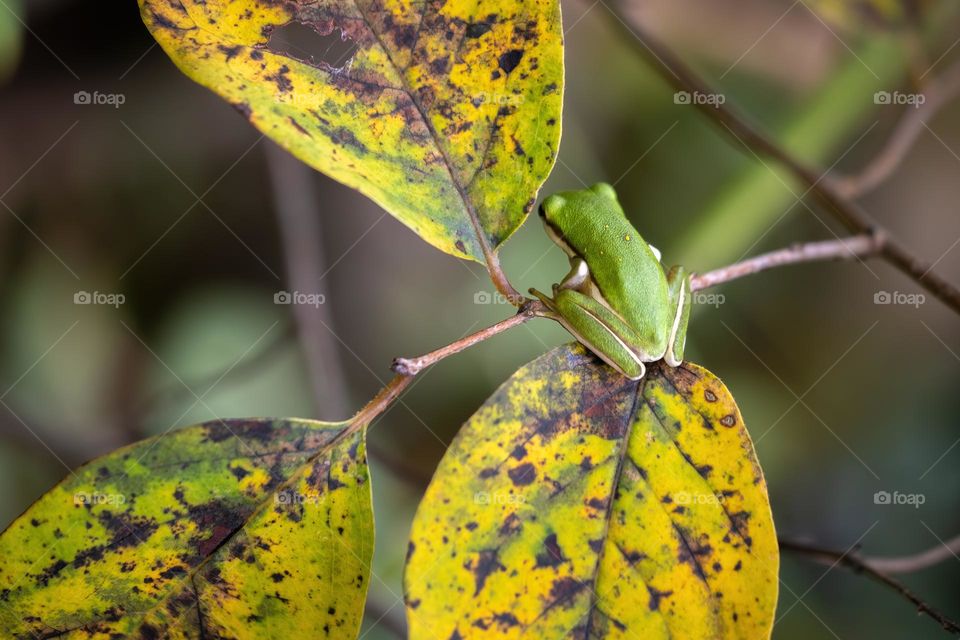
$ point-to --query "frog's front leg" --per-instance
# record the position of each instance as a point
(577, 279)
(681, 298)
(600, 329)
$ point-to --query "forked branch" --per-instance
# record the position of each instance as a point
(867, 566)
(676, 73)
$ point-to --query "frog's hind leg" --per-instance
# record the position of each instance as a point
(681, 298)
(601, 331)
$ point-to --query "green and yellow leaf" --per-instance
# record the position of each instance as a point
(579, 504)
(447, 114)
(230, 529)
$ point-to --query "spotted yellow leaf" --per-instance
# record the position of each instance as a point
(447, 113)
(231, 529)
(579, 504)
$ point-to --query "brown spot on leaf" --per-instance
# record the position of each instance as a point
(552, 554)
(486, 563)
(523, 474)
(230, 52)
(565, 589)
(655, 597)
(510, 60)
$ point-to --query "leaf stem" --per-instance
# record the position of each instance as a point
(852, 248)
(851, 560)
(413, 366)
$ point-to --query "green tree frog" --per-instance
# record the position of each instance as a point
(617, 300)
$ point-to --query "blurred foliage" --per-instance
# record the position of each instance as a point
(199, 286)
(11, 37)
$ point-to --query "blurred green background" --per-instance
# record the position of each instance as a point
(844, 397)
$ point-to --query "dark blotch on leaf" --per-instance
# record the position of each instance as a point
(230, 52)
(477, 29)
(487, 563)
(523, 474)
(552, 554)
(510, 60)
(565, 589)
(656, 596)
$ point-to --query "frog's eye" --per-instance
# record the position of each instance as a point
(605, 190)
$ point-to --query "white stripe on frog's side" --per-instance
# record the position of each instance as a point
(656, 252)
(668, 355)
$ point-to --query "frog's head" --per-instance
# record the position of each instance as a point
(565, 211)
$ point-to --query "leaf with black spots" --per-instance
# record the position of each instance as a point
(598, 507)
(445, 113)
(229, 529)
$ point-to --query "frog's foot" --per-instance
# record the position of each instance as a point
(547, 302)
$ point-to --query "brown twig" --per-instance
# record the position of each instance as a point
(850, 214)
(851, 560)
(853, 248)
(413, 366)
(937, 93)
(917, 561)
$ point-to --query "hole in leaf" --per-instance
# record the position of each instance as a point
(302, 42)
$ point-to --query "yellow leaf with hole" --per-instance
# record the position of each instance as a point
(255, 529)
(446, 113)
(579, 504)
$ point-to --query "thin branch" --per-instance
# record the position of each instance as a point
(295, 199)
(413, 366)
(676, 73)
(938, 93)
(857, 564)
(855, 247)
(917, 561)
